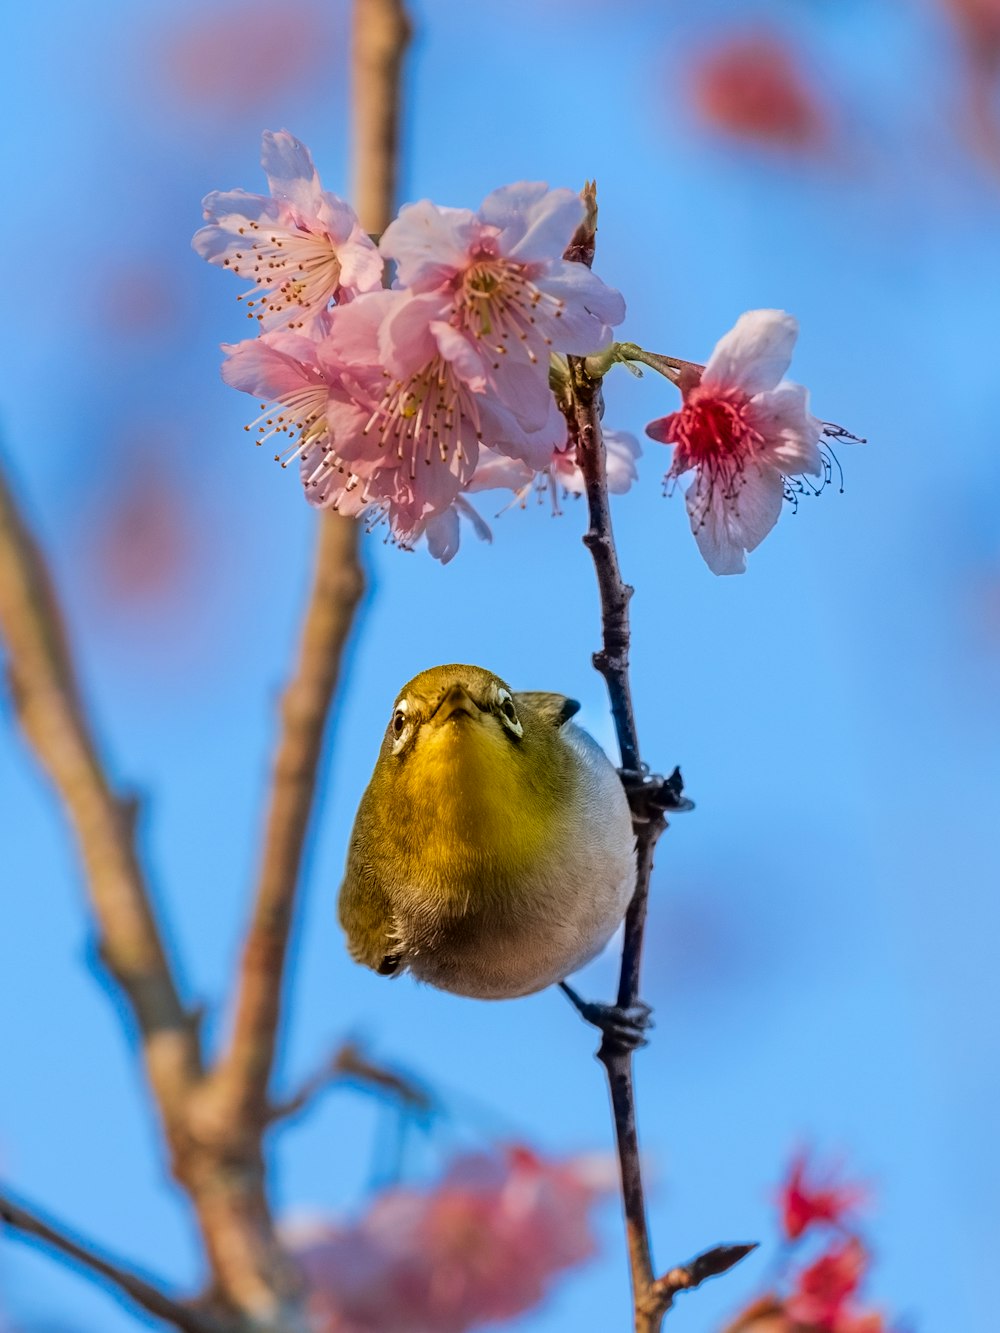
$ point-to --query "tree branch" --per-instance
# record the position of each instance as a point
(349, 1065)
(124, 1282)
(649, 796)
(48, 705)
(244, 1072)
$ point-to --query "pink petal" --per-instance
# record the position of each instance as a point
(591, 309)
(536, 223)
(271, 366)
(290, 171)
(727, 525)
(495, 471)
(791, 433)
(428, 243)
(405, 339)
(754, 354)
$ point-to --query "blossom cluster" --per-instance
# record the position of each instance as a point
(483, 1244)
(827, 1262)
(398, 402)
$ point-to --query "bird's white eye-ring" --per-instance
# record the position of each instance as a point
(400, 723)
(508, 713)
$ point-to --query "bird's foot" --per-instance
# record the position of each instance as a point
(652, 794)
(626, 1028)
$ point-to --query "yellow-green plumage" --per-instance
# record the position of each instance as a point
(492, 853)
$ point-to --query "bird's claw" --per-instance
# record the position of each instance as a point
(626, 1028)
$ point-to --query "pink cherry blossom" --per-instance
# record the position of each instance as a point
(562, 472)
(301, 249)
(502, 275)
(482, 1245)
(742, 429)
(385, 409)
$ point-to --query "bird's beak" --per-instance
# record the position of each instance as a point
(456, 701)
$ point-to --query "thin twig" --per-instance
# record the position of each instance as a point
(350, 1065)
(649, 796)
(48, 704)
(381, 32)
(122, 1281)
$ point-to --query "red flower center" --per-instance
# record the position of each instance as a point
(713, 430)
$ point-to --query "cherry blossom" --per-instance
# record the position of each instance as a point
(301, 248)
(502, 278)
(805, 1202)
(561, 473)
(482, 1245)
(742, 429)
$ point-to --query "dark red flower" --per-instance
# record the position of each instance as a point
(807, 1201)
(823, 1290)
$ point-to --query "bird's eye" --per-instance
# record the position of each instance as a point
(398, 721)
(508, 713)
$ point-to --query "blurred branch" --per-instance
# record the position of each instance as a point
(649, 796)
(350, 1065)
(127, 1283)
(214, 1122)
(242, 1077)
(48, 705)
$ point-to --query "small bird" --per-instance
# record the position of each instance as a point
(493, 852)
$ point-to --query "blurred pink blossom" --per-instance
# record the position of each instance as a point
(483, 1245)
(741, 428)
(233, 58)
(302, 248)
(752, 86)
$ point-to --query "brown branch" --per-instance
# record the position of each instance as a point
(233, 1110)
(649, 796)
(122, 1281)
(242, 1078)
(244, 1072)
(48, 705)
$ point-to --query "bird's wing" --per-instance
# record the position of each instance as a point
(553, 708)
(367, 916)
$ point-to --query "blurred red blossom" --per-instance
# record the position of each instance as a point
(805, 1201)
(978, 21)
(481, 1245)
(752, 85)
(822, 1292)
(816, 1292)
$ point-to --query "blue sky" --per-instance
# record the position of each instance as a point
(823, 930)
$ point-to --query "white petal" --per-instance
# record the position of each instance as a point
(790, 432)
(622, 450)
(754, 354)
(729, 520)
